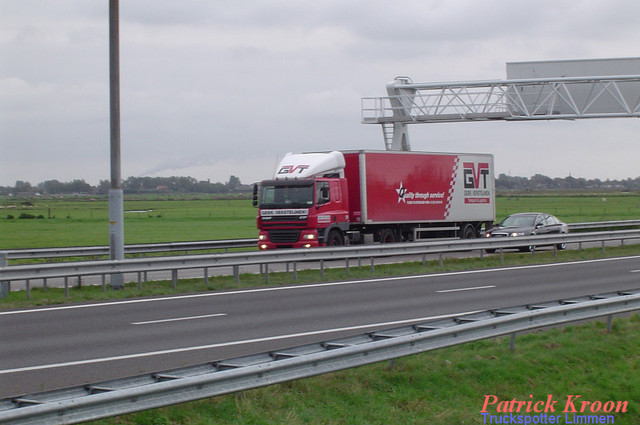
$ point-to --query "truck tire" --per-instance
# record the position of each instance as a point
(335, 238)
(468, 232)
(387, 236)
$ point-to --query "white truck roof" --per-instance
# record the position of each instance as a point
(306, 165)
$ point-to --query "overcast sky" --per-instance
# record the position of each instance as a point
(215, 88)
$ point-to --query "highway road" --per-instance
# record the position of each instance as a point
(60, 346)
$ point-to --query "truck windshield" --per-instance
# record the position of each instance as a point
(294, 196)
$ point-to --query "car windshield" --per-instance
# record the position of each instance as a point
(284, 196)
(518, 221)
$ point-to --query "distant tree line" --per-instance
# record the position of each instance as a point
(192, 185)
(540, 182)
(130, 185)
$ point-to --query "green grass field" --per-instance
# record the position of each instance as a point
(82, 222)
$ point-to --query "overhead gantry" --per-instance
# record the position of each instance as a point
(567, 98)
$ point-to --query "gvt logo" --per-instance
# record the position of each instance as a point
(475, 178)
(290, 169)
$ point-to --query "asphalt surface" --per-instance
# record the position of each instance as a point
(54, 347)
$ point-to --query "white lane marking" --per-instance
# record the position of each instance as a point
(177, 319)
(466, 289)
(635, 271)
(228, 344)
(314, 285)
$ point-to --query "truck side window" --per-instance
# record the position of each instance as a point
(322, 193)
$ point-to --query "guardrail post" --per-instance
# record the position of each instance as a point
(373, 269)
(174, 278)
(295, 271)
(236, 273)
(66, 286)
(346, 265)
(609, 323)
(501, 256)
(5, 286)
(28, 288)
(322, 269)
(206, 276)
(512, 344)
(266, 273)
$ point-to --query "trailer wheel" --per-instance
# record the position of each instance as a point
(387, 236)
(335, 238)
(468, 232)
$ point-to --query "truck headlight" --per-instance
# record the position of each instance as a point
(515, 234)
(262, 237)
(308, 236)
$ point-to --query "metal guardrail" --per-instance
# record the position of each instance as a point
(237, 259)
(94, 251)
(90, 402)
(91, 251)
(603, 224)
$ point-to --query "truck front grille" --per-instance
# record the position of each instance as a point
(284, 236)
(289, 221)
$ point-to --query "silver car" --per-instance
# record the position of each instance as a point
(528, 224)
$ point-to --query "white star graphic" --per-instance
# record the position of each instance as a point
(401, 191)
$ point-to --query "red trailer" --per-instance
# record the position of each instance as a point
(338, 198)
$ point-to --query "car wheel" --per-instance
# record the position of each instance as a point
(529, 248)
(561, 246)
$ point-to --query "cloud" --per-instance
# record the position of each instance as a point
(206, 85)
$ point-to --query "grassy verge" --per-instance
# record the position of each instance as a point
(39, 296)
(441, 387)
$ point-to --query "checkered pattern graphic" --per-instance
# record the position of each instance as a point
(452, 182)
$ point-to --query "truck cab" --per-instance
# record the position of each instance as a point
(306, 205)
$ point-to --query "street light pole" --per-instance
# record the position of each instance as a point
(116, 196)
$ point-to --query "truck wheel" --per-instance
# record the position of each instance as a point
(335, 238)
(468, 232)
(387, 236)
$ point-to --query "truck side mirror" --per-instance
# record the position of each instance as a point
(255, 195)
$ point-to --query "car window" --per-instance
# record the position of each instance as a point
(518, 221)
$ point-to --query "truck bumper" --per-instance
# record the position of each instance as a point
(308, 239)
(264, 245)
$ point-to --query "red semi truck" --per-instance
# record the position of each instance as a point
(347, 197)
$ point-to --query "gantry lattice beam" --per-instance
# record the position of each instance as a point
(508, 100)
